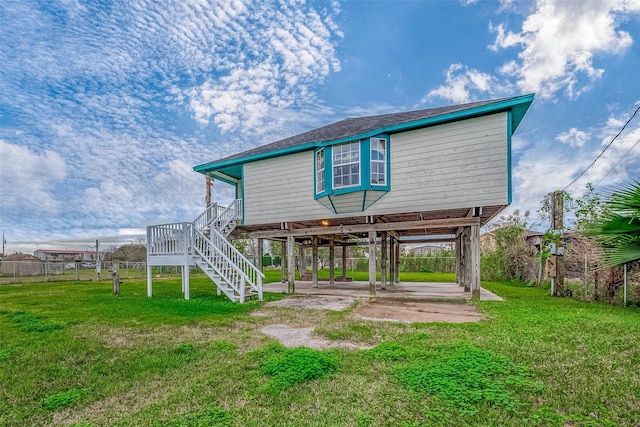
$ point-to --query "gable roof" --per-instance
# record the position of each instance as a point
(364, 127)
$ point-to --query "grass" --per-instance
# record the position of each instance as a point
(72, 354)
(273, 275)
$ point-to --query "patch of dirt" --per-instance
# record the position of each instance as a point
(418, 311)
(316, 302)
(296, 337)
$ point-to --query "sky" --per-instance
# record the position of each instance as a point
(106, 106)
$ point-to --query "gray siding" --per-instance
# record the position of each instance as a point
(281, 189)
(461, 164)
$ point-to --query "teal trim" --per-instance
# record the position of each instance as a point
(328, 174)
(518, 106)
(509, 177)
(242, 198)
(315, 173)
(333, 206)
(364, 201)
(225, 178)
(365, 164)
(387, 185)
(206, 167)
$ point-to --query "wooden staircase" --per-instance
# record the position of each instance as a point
(233, 274)
(204, 243)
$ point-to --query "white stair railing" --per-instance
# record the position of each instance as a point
(231, 267)
(220, 217)
(205, 241)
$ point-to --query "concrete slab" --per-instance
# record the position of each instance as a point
(402, 290)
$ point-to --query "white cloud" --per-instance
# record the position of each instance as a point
(559, 42)
(282, 55)
(461, 85)
(28, 179)
(574, 137)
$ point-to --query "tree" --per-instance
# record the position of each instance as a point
(135, 251)
(618, 229)
(509, 256)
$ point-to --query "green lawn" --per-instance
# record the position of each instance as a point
(72, 354)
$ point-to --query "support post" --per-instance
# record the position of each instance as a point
(344, 263)
(383, 260)
(475, 261)
(392, 254)
(291, 265)
(314, 262)
(397, 268)
(186, 238)
(372, 263)
(260, 254)
(283, 262)
(332, 260)
(185, 279)
(149, 279)
(209, 184)
(466, 259)
(459, 260)
(302, 261)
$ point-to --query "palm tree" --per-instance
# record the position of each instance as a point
(618, 230)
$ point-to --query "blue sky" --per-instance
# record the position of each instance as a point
(106, 106)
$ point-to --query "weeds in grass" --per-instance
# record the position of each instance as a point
(465, 377)
(224, 347)
(63, 399)
(30, 322)
(5, 353)
(289, 367)
(211, 416)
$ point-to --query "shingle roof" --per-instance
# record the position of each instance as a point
(354, 127)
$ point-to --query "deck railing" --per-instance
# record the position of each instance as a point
(170, 239)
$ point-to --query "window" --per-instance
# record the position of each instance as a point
(346, 165)
(378, 161)
(320, 171)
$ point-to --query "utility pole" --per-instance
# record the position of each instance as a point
(558, 227)
(4, 242)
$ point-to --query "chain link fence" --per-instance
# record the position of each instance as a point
(17, 272)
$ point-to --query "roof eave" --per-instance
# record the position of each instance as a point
(517, 105)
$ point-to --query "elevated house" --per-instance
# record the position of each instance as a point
(432, 175)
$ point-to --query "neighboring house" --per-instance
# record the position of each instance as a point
(426, 250)
(56, 255)
(440, 172)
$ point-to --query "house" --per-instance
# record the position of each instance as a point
(66, 255)
(429, 250)
(437, 174)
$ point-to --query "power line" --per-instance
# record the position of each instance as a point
(616, 165)
(605, 149)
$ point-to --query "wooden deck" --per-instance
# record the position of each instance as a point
(404, 290)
